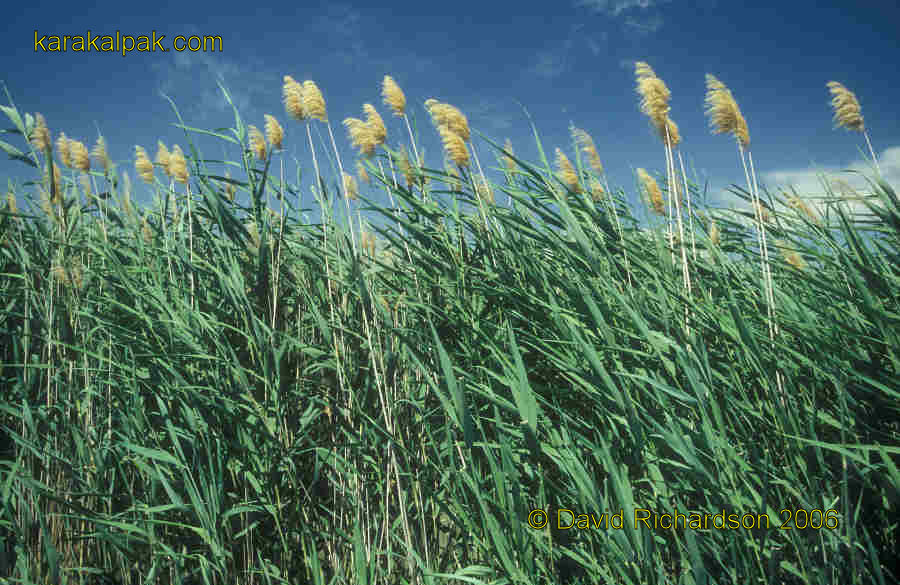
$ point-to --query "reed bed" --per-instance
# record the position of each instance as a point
(208, 391)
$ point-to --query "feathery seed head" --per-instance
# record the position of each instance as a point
(62, 147)
(164, 158)
(847, 111)
(142, 164)
(375, 121)
(361, 172)
(362, 136)
(654, 94)
(724, 114)
(596, 190)
(229, 187)
(393, 96)
(40, 135)
(350, 187)
(762, 212)
(791, 256)
(654, 194)
(313, 102)
(450, 116)
(126, 196)
(454, 146)
(508, 162)
(145, 230)
(257, 142)
(178, 165)
(274, 131)
(405, 167)
(292, 93)
(671, 129)
(11, 203)
(483, 191)
(367, 239)
(100, 154)
(567, 172)
(804, 208)
(714, 234)
(586, 143)
(81, 160)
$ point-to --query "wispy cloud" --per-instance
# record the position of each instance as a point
(340, 28)
(637, 17)
(556, 59)
(615, 8)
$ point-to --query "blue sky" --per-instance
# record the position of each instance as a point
(567, 62)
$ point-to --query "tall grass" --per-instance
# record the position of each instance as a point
(204, 391)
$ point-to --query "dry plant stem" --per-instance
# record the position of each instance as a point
(872, 152)
(412, 141)
(343, 187)
(190, 240)
(687, 196)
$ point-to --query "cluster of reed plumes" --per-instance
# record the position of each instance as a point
(210, 390)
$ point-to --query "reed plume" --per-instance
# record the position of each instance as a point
(362, 136)
(62, 147)
(567, 172)
(257, 142)
(507, 160)
(178, 165)
(848, 114)
(164, 158)
(81, 160)
(393, 96)
(292, 93)
(40, 134)
(350, 187)
(274, 132)
(376, 123)
(362, 173)
(654, 194)
(101, 156)
(454, 146)
(142, 164)
(313, 102)
(584, 141)
(724, 114)
(446, 115)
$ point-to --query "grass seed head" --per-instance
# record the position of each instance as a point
(313, 101)
(508, 161)
(714, 235)
(586, 143)
(450, 116)
(597, 191)
(164, 158)
(146, 232)
(454, 146)
(292, 93)
(655, 96)
(11, 205)
(362, 174)
(376, 123)
(142, 164)
(40, 135)
(127, 207)
(567, 172)
(791, 256)
(654, 194)
(847, 111)
(803, 207)
(81, 160)
(362, 136)
(350, 187)
(229, 187)
(484, 192)
(62, 147)
(274, 132)
(724, 114)
(393, 96)
(367, 239)
(100, 154)
(257, 142)
(178, 165)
